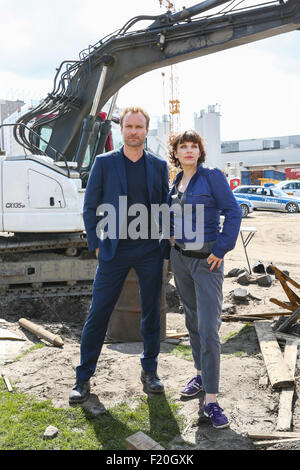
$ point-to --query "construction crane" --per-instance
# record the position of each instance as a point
(174, 103)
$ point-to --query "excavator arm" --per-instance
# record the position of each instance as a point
(82, 87)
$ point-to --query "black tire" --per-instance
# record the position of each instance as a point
(245, 210)
(292, 207)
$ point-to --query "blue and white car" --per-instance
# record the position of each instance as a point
(245, 205)
(269, 198)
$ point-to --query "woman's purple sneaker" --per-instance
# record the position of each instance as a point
(214, 412)
(193, 387)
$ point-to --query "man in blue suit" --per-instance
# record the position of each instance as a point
(142, 178)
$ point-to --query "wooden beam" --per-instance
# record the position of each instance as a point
(278, 371)
(283, 278)
(6, 381)
(273, 435)
(240, 318)
(267, 443)
(285, 415)
(282, 304)
(140, 441)
(40, 332)
(254, 316)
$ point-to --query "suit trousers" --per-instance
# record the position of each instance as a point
(201, 293)
(145, 257)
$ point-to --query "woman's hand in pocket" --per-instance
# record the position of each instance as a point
(214, 261)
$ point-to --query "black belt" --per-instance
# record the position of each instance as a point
(191, 253)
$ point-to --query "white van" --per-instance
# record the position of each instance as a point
(291, 187)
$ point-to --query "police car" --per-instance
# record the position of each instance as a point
(245, 205)
(270, 198)
(290, 187)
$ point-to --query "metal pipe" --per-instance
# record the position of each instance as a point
(99, 91)
(196, 9)
(112, 106)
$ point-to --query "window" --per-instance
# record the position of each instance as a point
(45, 133)
(263, 192)
(91, 148)
(116, 135)
(241, 190)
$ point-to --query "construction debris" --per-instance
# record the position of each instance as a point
(264, 281)
(294, 300)
(258, 267)
(7, 382)
(240, 294)
(284, 421)
(289, 321)
(9, 335)
(140, 441)
(278, 371)
(268, 443)
(273, 435)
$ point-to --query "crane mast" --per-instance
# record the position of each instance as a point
(174, 102)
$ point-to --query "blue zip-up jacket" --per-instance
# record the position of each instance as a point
(210, 188)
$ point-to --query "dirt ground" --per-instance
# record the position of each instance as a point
(245, 393)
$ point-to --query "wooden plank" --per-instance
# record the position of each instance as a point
(240, 318)
(7, 382)
(140, 441)
(278, 371)
(272, 435)
(268, 443)
(177, 335)
(282, 304)
(285, 415)
(289, 321)
(268, 314)
(253, 316)
(9, 335)
(293, 298)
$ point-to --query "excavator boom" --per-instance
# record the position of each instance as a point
(170, 39)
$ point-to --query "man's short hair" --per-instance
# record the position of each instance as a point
(135, 109)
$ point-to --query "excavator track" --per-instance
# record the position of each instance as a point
(40, 242)
(45, 265)
(54, 290)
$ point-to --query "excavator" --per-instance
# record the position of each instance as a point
(43, 249)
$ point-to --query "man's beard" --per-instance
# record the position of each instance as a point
(134, 143)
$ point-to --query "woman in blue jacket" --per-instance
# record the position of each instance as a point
(199, 267)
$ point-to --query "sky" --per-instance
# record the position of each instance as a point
(257, 86)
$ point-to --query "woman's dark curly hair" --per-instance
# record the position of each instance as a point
(186, 136)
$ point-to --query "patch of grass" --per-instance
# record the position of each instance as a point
(234, 335)
(32, 348)
(240, 343)
(183, 351)
(23, 420)
(236, 354)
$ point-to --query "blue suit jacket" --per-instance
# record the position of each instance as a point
(210, 188)
(107, 181)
